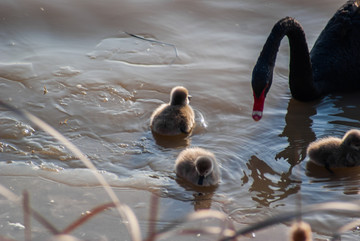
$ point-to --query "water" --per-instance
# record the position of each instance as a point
(78, 67)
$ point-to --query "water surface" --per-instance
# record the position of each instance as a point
(79, 67)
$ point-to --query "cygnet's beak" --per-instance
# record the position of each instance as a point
(201, 180)
(189, 97)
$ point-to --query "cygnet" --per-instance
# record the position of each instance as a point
(176, 117)
(333, 152)
(198, 166)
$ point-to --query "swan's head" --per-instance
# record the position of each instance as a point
(204, 166)
(352, 139)
(179, 96)
(261, 82)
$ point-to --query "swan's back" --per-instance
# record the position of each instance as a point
(335, 56)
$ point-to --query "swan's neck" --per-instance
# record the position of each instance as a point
(300, 73)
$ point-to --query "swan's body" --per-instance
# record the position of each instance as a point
(335, 152)
(331, 66)
(198, 166)
(176, 117)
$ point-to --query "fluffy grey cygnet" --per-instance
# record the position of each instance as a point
(176, 117)
(198, 166)
(336, 152)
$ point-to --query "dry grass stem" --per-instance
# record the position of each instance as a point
(87, 216)
(9, 194)
(27, 215)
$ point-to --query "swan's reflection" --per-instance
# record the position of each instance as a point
(298, 131)
(348, 113)
(266, 190)
(270, 185)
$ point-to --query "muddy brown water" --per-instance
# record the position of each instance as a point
(77, 66)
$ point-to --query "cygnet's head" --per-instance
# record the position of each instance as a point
(179, 96)
(204, 166)
(352, 139)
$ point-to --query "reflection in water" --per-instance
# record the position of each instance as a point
(178, 141)
(348, 114)
(347, 179)
(298, 131)
(299, 134)
(267, 190)
(202, 195)
(202, 200)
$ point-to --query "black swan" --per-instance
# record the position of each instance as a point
(333, 152)
(198, 166)
(332, 65)
(176, 117)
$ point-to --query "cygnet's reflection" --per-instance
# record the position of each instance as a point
(178, 141)
(202, 194)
